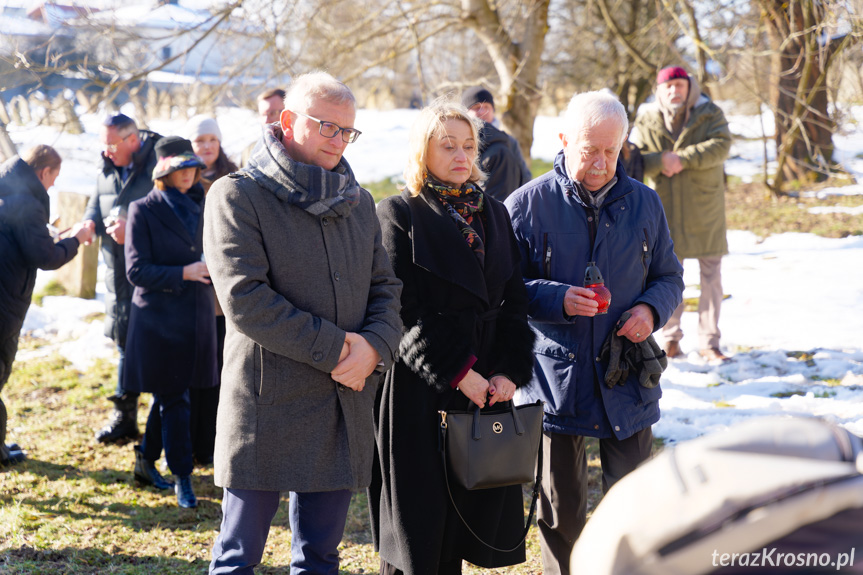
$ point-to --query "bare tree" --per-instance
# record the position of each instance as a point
(516, 58)
(805, 38)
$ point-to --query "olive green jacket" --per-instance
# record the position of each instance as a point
(694, 199)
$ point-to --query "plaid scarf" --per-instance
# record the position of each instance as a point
(462, 204)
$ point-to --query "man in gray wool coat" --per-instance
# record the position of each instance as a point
(294, 249)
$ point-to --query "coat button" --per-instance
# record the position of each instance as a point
(326, 221)
(622, 208)
(597, 358)
(571, 356)
(596, 427)
(590, 218)
(607, 225)
(337, 276)
(192, 248)
(617, 428)
(317, 356)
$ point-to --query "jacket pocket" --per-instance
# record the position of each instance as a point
(556, 376)
(264, 376)
(649, 394)
(645, 259)
(546, 257)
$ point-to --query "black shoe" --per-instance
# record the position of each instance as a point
(13, 447)
(14, 457)
(146, 472)
(185, 494)
(124, 420)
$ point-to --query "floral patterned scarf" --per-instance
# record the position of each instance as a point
(462, 204)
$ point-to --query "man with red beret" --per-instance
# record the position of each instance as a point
(684, 139)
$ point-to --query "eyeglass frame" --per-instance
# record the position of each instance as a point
(113, 147)
(344, 131)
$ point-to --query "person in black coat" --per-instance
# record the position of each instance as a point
(467, 341)
(25, 245)
(125, 176)
(500, 155)
(171, 345)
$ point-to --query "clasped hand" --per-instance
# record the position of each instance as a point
(357, 361)
(476, 388)
(196, 272)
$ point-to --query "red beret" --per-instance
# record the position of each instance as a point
(671, 73)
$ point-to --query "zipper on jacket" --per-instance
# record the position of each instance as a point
(644, 248)
(547, 260)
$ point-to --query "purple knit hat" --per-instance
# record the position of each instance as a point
(671, 73)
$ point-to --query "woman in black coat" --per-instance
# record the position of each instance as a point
(467, 341)
(171, 345)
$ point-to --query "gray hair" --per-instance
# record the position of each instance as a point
(308, 88)
(589, 109)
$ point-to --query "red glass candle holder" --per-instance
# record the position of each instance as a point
(594, 282)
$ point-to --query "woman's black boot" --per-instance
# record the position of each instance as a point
(146, 472)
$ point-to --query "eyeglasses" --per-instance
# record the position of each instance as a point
(113, 147)
(330, 130)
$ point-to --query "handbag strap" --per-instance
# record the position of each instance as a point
(536, 486)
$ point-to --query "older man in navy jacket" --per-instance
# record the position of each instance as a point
(587, 210)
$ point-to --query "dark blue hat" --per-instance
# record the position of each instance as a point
(476, 95)
(117, 120)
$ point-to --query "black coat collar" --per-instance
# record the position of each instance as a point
(439, 247)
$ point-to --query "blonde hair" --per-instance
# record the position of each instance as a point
(431, 123)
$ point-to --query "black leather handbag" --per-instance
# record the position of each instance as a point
(487, 449)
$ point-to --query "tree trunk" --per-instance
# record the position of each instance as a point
(516, 63)
(804, 129)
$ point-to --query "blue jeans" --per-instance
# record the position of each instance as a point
(168, 427)
(317, 524)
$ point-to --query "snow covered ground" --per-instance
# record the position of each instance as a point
(793, 323)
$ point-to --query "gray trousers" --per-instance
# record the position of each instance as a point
(709, 304)
(563, 504)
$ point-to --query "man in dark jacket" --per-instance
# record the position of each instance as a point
(25, 245)
(293, 246)
(125, 176)
(587, 210)
(500, 154)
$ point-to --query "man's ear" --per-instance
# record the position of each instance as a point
(286, 121)
(563, 138)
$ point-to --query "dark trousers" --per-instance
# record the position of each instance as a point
(121, 363)
(563, 504)
(317, 522)
(168, 428)
(205, 406)
(8, 349)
